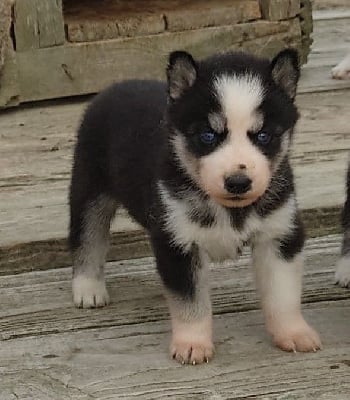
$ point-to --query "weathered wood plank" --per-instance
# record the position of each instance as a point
(110, 19)
(319, 79)
(38, 24)
(200, 14)
(44, 305)
(9, 87)
(262, 37)
(276, 10)
(330, 35)
(124, 362)
(38, 385)
(57, 72)
(326, 12)
(125, 243)
(33, 199)
(52, 351)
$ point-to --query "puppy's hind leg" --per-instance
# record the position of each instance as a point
(89, 233)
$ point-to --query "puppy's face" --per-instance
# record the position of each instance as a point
(231, 117)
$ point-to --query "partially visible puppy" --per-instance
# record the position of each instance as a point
(342, 275)
(342, 70)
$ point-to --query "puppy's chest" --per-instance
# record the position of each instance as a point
(220, 242)
(220, 239)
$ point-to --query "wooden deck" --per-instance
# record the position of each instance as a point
(51, 351)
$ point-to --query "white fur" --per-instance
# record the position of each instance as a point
(240, 96)
(191, 321)
(221, 241)
(280, 285)
(89, 292)
(342, 274)
(342, 70)
(192, 342)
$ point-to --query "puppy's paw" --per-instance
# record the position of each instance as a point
(342, 70)
(192, 341)
(191, 352)
(296, 336)
(342, 274)
(89, 292)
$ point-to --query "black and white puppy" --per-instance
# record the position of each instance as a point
(342, 274)
(202, 163)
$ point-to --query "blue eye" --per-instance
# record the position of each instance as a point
(263, 137)
(208, 137)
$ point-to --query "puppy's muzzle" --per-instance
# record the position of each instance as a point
(238, 184)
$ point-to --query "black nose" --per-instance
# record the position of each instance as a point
(238, 184)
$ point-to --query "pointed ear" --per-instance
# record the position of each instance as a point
(181, 73)
(285, 71)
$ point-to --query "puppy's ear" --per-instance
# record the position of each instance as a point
(181, 73)
(285, 71)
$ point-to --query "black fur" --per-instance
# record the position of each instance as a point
(292, 244)
(123, 120)
(176, 267)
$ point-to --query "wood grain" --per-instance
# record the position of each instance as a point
(130, 281)
(33, 137)
(33, 199)
(49, 350)
(108, 19)
(38, 24)
(131, 361)
(57, 72)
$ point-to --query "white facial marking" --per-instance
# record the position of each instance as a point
(239, 96)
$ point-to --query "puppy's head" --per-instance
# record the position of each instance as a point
(231, 117)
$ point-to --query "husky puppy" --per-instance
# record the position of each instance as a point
(202, 163)
(342, 275)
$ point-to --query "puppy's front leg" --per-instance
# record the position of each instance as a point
(278, 265)
(185, 276)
